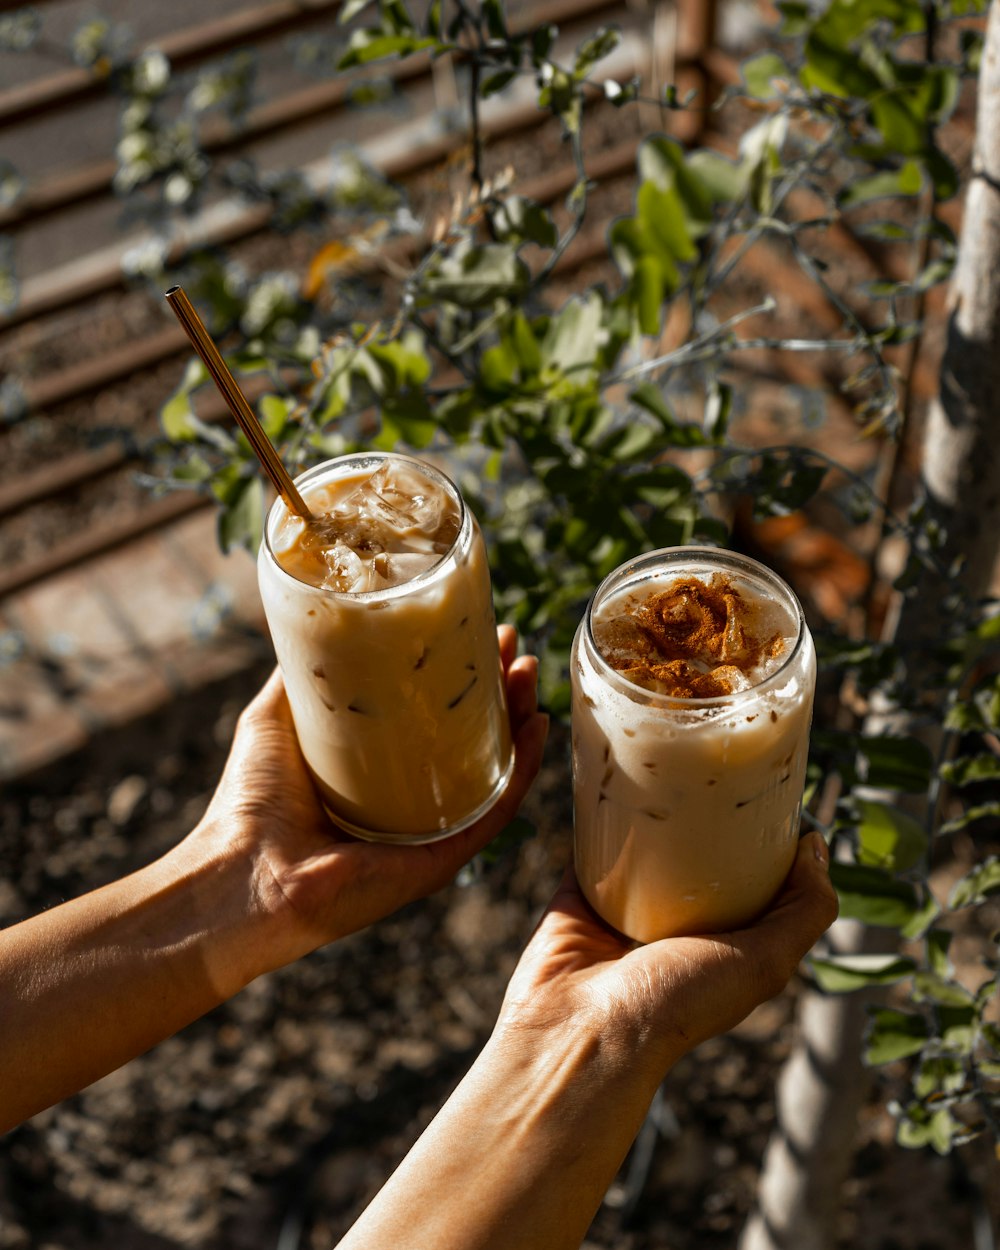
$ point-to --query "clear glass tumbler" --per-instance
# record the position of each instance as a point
(397, 694)
(686, 810)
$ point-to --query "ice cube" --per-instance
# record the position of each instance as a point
(387, 496)
(732, 677)
(288, 535)
(777, 654)
(734, 638)
(396, 568)
(345, 569)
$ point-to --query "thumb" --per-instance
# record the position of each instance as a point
(803, 910)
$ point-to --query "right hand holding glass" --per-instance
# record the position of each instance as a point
(664, 998)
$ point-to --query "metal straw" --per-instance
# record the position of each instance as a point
(201, 340)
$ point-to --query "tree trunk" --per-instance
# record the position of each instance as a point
(823, 1086)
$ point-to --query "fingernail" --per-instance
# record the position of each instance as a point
(821, 850)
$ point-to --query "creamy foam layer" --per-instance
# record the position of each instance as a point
(372, 531)
(692, 637)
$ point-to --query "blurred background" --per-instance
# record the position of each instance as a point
(129, 641)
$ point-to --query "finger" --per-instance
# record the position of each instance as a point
(803, 910)
(451, 853)
(507, 642)
(529, 746)
(522, 690)
(270, 703)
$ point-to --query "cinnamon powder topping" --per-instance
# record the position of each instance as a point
(692, 639)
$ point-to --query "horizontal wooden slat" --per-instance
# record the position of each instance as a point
(63, 475)
(72, 87)
(89, 543)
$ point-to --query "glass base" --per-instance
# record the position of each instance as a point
(436, 835)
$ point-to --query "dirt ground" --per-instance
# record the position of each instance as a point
(272, 1121)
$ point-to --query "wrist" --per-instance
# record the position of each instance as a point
(615, 1044)
(227, 915)
(585, 1063)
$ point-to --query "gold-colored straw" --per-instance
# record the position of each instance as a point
(201, 340)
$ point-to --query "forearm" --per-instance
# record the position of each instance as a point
(91, 983)
(522, 1153)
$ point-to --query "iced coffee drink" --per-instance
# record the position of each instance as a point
(381, 614)
(693, 676)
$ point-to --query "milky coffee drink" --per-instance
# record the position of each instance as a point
(382, 619)
(693, 676)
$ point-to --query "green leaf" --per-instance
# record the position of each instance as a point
(496, 22)
(572, 341)
(177, 416)
(680, 434)
(978, 885)
(665, 163)
(888, 837)
(882, 761)
(274, 411)
(373, 45)
(893, 1035)
(403, 361)
(905, 181)
(958, 1027)
(496, 82)
(561, 94)
(517, 220)
(599, 45)
(939, 1074)
(630, 240)
(840, 974)
(982, 811)
(725, 180)
(542, 39)
(969, 769)
(406, 417)
(930, 987)
(661, 216)
(796, 16)
(629, 442)
(872, 896)
(525, 345)
(894, 763)
(901, 124)
(922, 918)
(760, 72)
(718, 409)
(922, 1127)
(836, 68)
(241, 517)
(646, 287)
(478, 276)
(937, 942)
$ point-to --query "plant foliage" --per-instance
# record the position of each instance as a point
(586, 428)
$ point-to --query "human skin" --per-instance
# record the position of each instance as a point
(263, 879)
(524, 1150)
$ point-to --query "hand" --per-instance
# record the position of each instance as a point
(588, 1029)
(662, 999)
(314, 882)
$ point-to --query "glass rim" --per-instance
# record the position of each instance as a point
(359, 458)
(678, 555)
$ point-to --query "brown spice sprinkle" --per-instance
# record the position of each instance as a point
(667, 642)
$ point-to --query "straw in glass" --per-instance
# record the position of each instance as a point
(201, 340)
